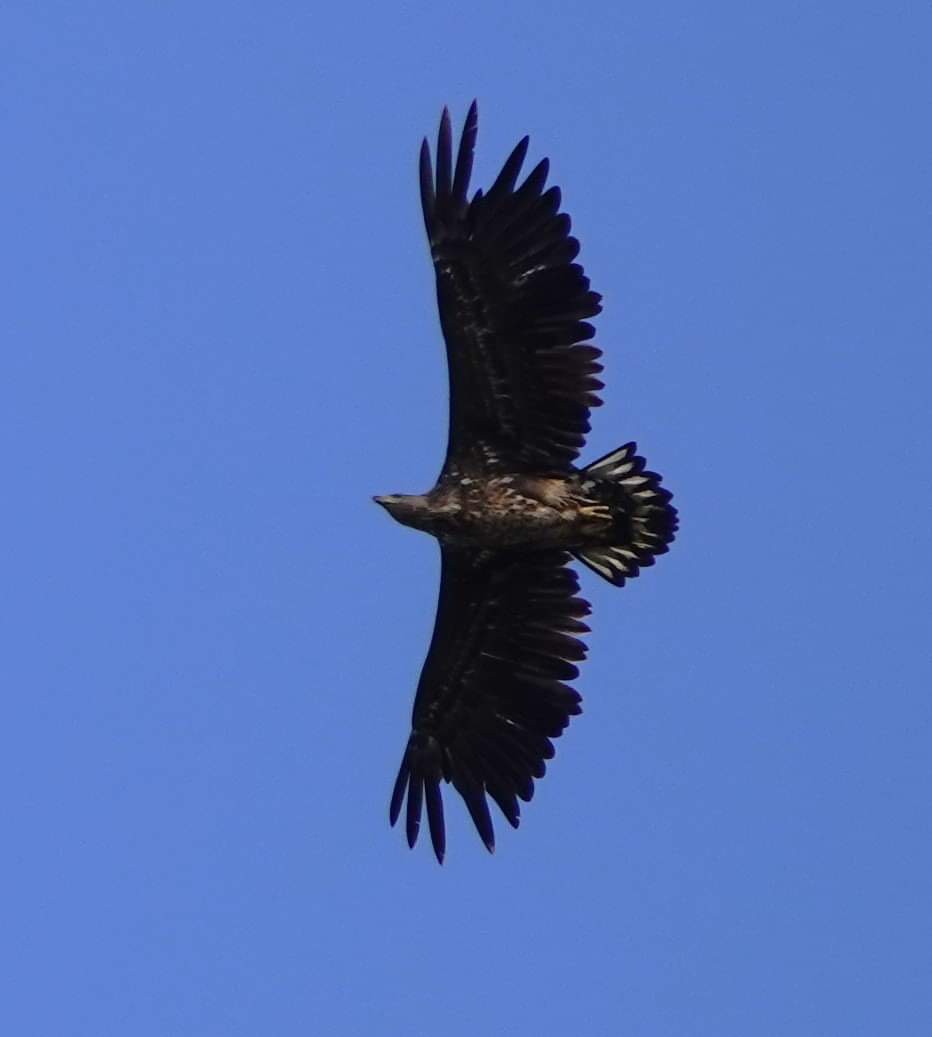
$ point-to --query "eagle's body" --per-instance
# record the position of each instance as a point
(527, 511)
(510, 508)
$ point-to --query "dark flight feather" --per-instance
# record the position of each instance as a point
(491, 696)
(512, 308)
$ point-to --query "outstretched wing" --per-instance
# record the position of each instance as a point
(513, 308)
(492, 693)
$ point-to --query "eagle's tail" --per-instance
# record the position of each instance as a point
(645, 521)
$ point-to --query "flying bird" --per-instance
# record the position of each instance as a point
(510, 507)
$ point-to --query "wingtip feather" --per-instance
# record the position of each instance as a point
(426, 177)
(398, 792)
(444, 155)
(464, 157)
(435, 819)
(413, 818)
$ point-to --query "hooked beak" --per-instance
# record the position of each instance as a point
(389, 502)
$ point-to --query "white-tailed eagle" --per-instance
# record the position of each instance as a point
(511, 508)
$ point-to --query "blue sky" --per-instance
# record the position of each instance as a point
(221, 340)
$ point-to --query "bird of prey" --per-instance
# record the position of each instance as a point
(510, 507)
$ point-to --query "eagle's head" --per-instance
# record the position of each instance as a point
(410, 509)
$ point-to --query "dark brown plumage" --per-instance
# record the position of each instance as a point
(510, 508)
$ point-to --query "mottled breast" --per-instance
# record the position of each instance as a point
(516, 510)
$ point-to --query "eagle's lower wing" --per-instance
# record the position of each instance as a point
(492, 693)
(513, 308)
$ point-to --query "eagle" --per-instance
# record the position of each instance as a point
(510, 508)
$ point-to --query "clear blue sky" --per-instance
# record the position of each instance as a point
(220, 339)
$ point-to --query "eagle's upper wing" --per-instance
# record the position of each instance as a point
(513, 308)
(492, 693)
